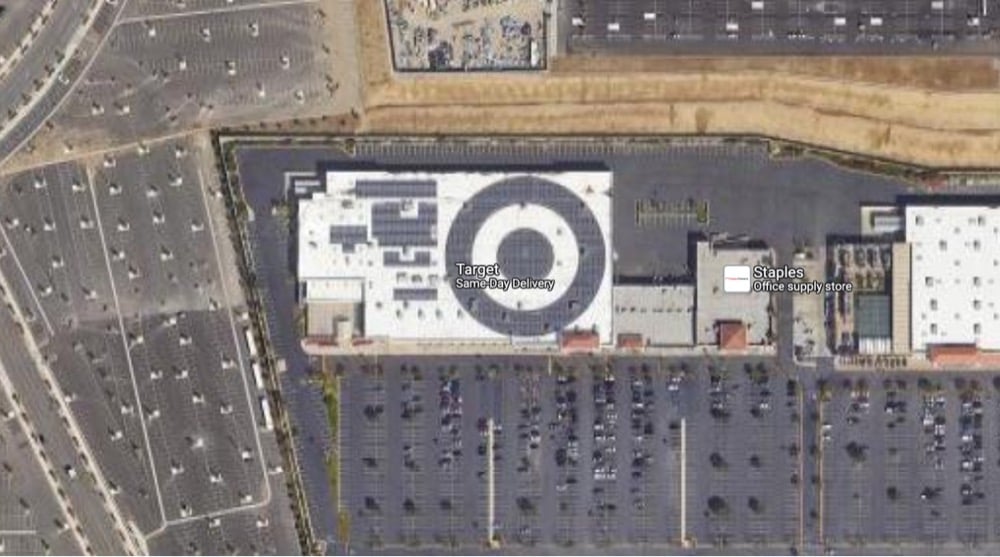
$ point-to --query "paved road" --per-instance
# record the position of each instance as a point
(32, 88)
(30, 512)
(42, 412)
(65, 18)
(877, 27)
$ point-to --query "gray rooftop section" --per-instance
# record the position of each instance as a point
(414, 294)
(873, 316)
(390, 228)
(348, 236)
(662, 314)
(396, 259)
(589, 237)
(396, 188)
(525, 253)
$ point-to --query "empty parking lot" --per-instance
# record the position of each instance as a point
(781, 26)
(132, 299)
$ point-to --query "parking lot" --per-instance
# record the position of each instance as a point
(118, 263)
(587, 453)
(31, 522)
(780, 26)
(167, 67)
(911, 459)
(588, 456)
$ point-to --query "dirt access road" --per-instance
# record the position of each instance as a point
(932, 111)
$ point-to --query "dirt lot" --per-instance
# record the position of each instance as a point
(941, 112)
(931, 72)
(931, 111)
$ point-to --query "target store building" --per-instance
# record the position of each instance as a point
(457, 258)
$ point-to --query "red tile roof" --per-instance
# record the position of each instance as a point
(633, 341)
(732, 335)
(579, 341)
(954, 354)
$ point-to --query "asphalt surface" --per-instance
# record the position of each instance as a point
(30, 516)
(15, 21)
(270, 238)
(41, 105)
(640, 172)
(843, 27)
(166, 68)
(770, 464)
(19, 84)
(125, 270)
(65, 459)
(142, 9)
(587, 456)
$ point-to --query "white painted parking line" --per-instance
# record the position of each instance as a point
(491, 539)
(73, 430)
(125, 345)
(246, 387)
(684, 532)
(27, 281)
(227, 303)
(18, 532)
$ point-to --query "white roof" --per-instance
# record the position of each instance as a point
(416, 301)
(955, 270)
(713, 304)
(336, 290)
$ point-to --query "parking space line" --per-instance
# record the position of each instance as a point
(212, 514)
(801, 459)
(128, 353)
(34, 440)
(491, 539)
(27, 281)
(684, 532)
(214, 11)
(236, 340)
(18, 532)
(819, 457)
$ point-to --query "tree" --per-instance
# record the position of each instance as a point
(717, 505)
(856, 451)
(892, 493)
(717, 461)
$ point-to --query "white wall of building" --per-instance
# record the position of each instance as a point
(955, 270)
